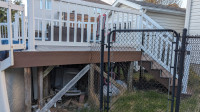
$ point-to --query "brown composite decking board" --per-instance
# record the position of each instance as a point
(38, 58)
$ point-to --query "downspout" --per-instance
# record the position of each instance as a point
(187, 57)
(188, 15)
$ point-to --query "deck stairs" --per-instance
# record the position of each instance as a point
(160, 68)
(160, 74)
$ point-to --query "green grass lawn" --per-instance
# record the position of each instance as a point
(141, 101)
(154, 100)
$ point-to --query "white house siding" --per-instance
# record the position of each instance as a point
(168, 21)
(194, 23)
(125, 7)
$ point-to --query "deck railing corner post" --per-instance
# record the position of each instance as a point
(31, 26)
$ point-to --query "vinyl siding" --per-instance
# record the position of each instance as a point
(194, 22)
(168, 21)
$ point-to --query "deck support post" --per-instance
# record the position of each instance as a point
(130, 76)
(40, 86)
(91, 78)
(92, 95)
(46, 86)
(27, 81)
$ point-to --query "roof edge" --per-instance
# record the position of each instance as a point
(167, 11)
(154, 9)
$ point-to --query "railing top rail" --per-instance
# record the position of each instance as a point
(105, 7)
(145, 30)
(193, 36)
(3, 24)
(4, 4)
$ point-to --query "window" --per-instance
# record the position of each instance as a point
(48, 4)
(40, 4)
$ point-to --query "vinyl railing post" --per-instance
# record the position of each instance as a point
(31, 26)
(9, 31)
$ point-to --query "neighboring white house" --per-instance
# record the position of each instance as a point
(192, 22)
(166, 16)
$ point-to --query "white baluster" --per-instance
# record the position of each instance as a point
(95, 25)
(0, 34)
(75, 24)
(122, 23)
(68, 21)
(16, 27)
(43, 29)
(101, 23)
(117, 25)
(82, 27)
(60, 23)
(161, 45)
(38, 28)
(112, 22)
(170, 56)
(88, 27)
(52, 22)
(166, 51)
(23, 28)
(127, 19)
(156, 44)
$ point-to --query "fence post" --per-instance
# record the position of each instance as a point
(102, 71)
(175, 70)
(109, 69)
(31, 25)
(181, 69)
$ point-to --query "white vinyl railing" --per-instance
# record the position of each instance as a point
(78, 23)
(3, 31)
(9, 40)
(159, 45)
(11, 32)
